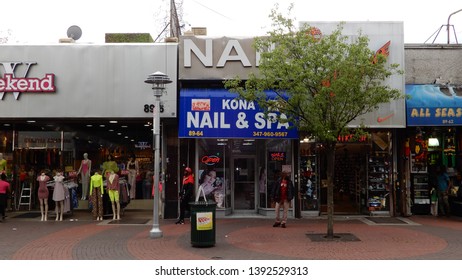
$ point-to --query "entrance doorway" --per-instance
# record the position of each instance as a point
(244, 183)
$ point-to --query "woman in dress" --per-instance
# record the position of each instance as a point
(58, 195)
(43, 194)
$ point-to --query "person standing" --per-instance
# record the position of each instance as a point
(84, 170)
(59, 195)
(186, 193)
(133, 170)
(96, 196)
(444, 184)
(282, 194)
(4, 189)
(43, 194)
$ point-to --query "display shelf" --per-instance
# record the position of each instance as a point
(420, 194)
(309, 183)
(378, 181)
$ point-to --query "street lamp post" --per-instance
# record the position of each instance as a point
(158, 81)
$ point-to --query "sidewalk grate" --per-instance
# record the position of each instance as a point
(338, 237)
(129, 222)
(396, 221)
(386, 220)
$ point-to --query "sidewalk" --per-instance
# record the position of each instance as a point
(78, 237)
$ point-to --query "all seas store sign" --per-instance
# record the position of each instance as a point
(217, 113)
(433, 105)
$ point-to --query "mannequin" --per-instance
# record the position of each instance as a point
(43, 194)
(2, 164)
(58, 195)
(96, 195)
(84, 170)
(113, 188)
(109, 165)
(133, 170)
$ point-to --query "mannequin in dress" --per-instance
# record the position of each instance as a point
(133, 170)
(96, 196)
(84, 170)
(109, 165)
(113, 188)
(43, 194)
(2, 164)
(58, 195)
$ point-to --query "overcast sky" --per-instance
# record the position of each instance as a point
(46, 21)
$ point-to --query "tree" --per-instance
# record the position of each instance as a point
(322, 83)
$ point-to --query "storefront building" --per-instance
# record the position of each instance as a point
(434, 116)
(60, 101)
(237, 154)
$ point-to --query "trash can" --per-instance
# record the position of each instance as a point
(203, 223)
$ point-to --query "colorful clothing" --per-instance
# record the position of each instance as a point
(58, 191)
(2, 164)
(109, 166)
(43, 192)
(96, 182)
(113, 187)
(282, 193)
(96, 193)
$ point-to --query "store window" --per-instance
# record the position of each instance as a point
(309, 183)
(214, 171)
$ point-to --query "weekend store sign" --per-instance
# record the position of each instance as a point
(219, 114)
(16, 82)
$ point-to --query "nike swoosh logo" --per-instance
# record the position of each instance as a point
(379, 119)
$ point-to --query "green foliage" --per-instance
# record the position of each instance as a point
(128, 38)
(329, 80)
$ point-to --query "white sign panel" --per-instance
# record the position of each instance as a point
(391, 114)
(85, 80)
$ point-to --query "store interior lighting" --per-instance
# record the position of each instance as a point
(433, 142)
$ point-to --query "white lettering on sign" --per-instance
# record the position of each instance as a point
(232, 51)
(237, 104)
(262, 122)
(206, 120)
(190, 47)
(11, 82)
(239, 56)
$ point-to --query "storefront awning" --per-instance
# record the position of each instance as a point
(216, 113)
(433, 105)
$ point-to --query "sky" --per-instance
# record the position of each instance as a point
(46, 21)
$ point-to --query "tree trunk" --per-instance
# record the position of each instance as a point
(330, 154)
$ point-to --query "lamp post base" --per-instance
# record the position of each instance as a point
(155, 233)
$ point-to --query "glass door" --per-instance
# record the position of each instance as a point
(244, 183)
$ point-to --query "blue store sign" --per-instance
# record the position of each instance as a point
(432, 105)
(215, 113)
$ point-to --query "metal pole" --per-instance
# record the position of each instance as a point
(158, 81)
(155, 231)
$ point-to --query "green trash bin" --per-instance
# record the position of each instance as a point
(203, 223)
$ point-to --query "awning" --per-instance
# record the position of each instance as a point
(217, 113)
(433, 105)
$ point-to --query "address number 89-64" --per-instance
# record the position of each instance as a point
(149, 108)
